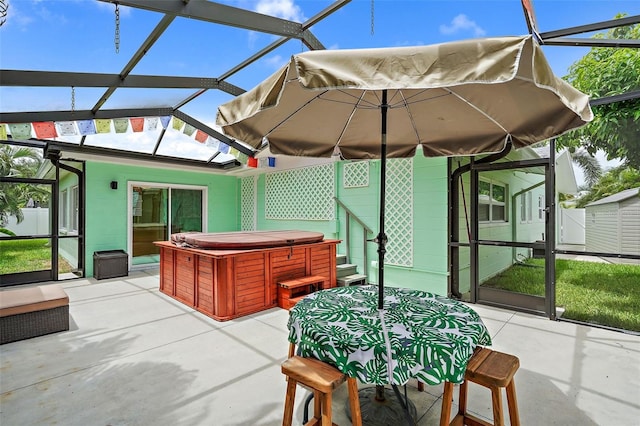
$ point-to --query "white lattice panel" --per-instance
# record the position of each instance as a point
(248, 203)
(399, 212)
(356, 174)
(301, 194)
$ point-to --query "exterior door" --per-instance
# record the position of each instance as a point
(27, 244)
(512, 236)
(159, 211)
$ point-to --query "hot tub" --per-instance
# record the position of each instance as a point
(232, 274)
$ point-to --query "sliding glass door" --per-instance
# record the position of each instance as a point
(157, 211)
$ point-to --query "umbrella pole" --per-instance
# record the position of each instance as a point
(382, 238)
(378, 408)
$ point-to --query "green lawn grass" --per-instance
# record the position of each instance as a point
(597, 293)
(28, 255)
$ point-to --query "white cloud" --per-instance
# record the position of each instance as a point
(275, 61)
(462, 23)
(285, 9)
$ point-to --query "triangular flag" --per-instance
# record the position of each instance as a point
(201, 136)
(164, 120)
(137, 124)
(66, 128)
(177, 123)
(242, 157)
(151, 123)
(3, 132)
(86, 127)
(20, 130)
(45, 129)
(252, 162)
(223, 148)
(121, 124)
(188, 129)
(234, 152)
(103, 125)
(213, 143)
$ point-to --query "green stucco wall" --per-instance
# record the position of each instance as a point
(429, 269)
(106, 208)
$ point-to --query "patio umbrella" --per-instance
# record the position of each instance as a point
(460, 98)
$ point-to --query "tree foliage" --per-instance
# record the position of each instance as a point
(608, 71)
(16, 161)
(615, 180)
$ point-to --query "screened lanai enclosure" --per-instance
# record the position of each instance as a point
(124, 160)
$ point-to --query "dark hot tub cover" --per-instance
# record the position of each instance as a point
(244, 240)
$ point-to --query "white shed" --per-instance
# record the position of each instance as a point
(613, 223)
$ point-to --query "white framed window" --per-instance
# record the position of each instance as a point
(492, 206)
(526, 207)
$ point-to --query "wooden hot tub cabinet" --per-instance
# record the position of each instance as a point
(226, 284)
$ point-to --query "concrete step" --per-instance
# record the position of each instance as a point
(341, 259)
(354, 279)
(346, 269)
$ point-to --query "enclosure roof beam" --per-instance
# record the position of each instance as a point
(142, 50)
(597, 26)
(81, 79)
(219, 14)
(26, 117)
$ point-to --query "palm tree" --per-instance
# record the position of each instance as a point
(16, 161)
(589, 165)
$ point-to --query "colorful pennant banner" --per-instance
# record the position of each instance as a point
(188, 129)
(164, 120)
(151, 123)
(177, 123)
(201, 136)
(86, 127)
(137, 124)
(45, 129)
(213, 143)
(66, 128)
(20, 130)
(103, 125)
(121, 125)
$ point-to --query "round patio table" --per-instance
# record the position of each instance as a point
(416, 335)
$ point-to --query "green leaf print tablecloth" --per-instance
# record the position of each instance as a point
(417, 334)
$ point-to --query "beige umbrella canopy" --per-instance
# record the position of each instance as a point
(459, 98)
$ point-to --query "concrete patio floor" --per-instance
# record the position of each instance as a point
(134, 356)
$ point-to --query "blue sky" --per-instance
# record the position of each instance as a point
(78, 35)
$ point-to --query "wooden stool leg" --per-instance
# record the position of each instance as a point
(512, 403)
(447, 400)
(354, 402)
(326, 409)
(317, 405)
(420, 386)
(287, 419)
(462, 403)
(496, 398)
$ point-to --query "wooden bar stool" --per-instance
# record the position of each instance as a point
(493, 370)
(322, 379)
